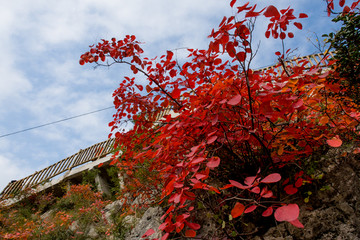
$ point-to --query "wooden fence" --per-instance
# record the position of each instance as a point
(92, 153)
(312, 60)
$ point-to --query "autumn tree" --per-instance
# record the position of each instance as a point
(230, 139)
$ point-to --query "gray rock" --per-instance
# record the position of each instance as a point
(113, 208)
(150, 219)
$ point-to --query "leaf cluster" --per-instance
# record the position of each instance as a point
(345, 42)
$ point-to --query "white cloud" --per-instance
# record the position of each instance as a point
(11, 170)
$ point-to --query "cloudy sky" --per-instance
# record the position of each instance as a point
(41, 80)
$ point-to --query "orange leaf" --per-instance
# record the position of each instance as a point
(324, 120)
(280, 151)
(237, 210)
(356, 151)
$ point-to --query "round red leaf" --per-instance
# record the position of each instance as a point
(287, 213)
(335, 142)
(290, 189)
(237, 210)
(268, 212)
(274, 177)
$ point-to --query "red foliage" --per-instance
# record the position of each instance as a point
(223, 116)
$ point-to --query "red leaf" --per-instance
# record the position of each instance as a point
(213, 162)
(335, 142)
(232, 3)
(100, 165)
(268, 194)
(134, 69)
(172, 73)
(267, 34)
(287, 213)
(271, 11)
(251, 13)
(190, 233)
(237, 210)
(166, 235)
(82, 62)
(268, 212)
(298, 104)
(230, 49)
(297, 223)
(241, 56)
(346, 10)
(290, 34)
(255, 190)
(235, 100)
(148, 88)
(341, 3)
(176, 93)
(243, 7)
(148, 233)
(250, 209)
(238, 185)
(282, 35)
(140, 87)
(215, 120)
(299, 182)
(227, 186)
(272, 178)
(194, 226)
(290, 189)
(277, 53)
(298, 25)
(197, 160)
(303, 15)
(211, 139)
(250, 180)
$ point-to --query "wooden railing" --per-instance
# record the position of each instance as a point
(92, 153)
(312, 60)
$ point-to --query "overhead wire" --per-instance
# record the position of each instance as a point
(58, 121)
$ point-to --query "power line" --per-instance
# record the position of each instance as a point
(62, 120)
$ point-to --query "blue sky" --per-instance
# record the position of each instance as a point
(41, 80)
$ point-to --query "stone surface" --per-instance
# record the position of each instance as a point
(333, 213)
(150, 219)
(102, 185)
(113, 208)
